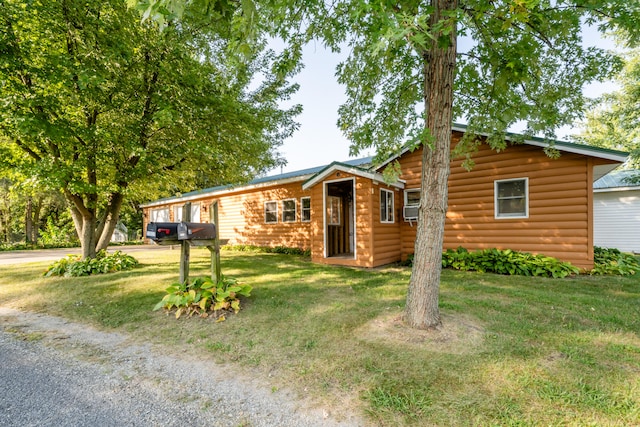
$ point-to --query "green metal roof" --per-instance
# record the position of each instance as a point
(618, 179)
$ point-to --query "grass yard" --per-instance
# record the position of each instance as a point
(513, 350)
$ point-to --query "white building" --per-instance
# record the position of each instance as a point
(616, 211)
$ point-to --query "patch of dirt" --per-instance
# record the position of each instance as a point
(458, 334)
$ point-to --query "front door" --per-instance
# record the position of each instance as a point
(339, 219)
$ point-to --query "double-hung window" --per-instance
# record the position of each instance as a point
(195, 213)
(511, 198)
(386, 206)
(160, 215)
(271, 212)
(289, 210)
(305, 209)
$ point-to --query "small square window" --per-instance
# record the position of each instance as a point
(512, 198)
(289, 210)
(386, 206)
(270, 212)
(305, 209)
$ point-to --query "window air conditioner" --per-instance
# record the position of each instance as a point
(410, 213)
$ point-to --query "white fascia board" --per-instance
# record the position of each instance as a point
(224, 191)
(568, 147)
(578, 149)
(615, 189)
(374, 176)
(560, 146)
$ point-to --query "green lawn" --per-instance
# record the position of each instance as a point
(513, 350)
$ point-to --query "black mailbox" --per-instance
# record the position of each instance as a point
(196, 231)
(159, 231)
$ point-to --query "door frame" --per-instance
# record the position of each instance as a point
(352, 225)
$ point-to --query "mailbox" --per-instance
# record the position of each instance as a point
(162, 231)
(196, 231)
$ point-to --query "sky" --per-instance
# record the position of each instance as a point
(318, 141)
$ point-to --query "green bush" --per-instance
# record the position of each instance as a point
(507, 262)
(73, 266)
(204, 297)
(58, 233)
(612, 261)
(268, 249)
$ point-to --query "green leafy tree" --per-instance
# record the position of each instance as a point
(107, 108)
(519, 62)
(614, 121)
(24, 199)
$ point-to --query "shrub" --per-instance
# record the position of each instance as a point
(73, 266)
(58, 233)
(507, 262)
(204, 297)
(612, 261)
(268, 249)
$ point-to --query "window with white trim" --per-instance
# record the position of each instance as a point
(412, 197)
(305, 209)
(195, 213)
(159, 215)
(386, 206)
(289, 210)
(511, 198)
(271, 212)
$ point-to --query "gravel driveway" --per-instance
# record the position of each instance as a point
(57, 373)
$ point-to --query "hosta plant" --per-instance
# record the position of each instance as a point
(507, 262)
(614, 262)
(204, 297)
(74, 266)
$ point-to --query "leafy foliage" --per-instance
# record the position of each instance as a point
(614, 119)
(268, 249)
(107, 109)
(74, 266)
(612, 261)
(204, 297)
(57, 233)
(507, 262)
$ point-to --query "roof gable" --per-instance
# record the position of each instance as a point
(337, 166)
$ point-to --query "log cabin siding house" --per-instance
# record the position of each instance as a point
(346, 214)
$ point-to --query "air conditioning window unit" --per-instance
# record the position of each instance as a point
(410, 213)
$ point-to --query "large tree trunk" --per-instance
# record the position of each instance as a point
(112, 214)
(88, 236)
(85, 222)
(94, 235)
(32, 219)
(439, 66)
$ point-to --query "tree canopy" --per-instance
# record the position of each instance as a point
(614, 121)
(103, 107)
